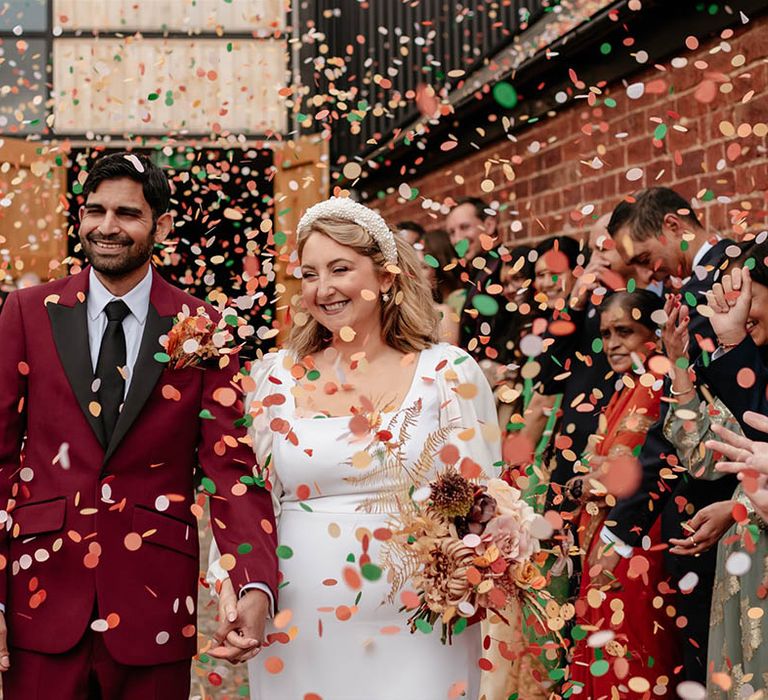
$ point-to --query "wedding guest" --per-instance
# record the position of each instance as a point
(410, 231)
(517, 281)
(657, 230)
(734, 649)
(522, 644)
(473, 230)
(439, 264)
(574, 363)
(362, 397)
(639, 644)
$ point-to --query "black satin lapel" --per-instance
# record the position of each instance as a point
(146, 372)
(70, 333)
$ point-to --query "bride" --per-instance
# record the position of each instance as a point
(362, 394)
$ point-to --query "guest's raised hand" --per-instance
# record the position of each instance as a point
(587, 282)
(729, 302)
(675, 335)
(741, 454)
(233, 642)
(705, 528)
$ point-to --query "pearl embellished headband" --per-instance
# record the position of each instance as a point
(349, 210)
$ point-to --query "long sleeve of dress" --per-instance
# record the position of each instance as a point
(688, 426)
(260, 435)
(466, 404)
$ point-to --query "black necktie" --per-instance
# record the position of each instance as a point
(111, 365)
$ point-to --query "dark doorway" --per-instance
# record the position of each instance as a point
(222, 238)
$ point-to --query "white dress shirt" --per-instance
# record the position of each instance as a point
(137, 300)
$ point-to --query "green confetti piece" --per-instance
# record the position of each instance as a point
(599, 668)
(205, 414)
(208, 485)
(610, 102)
(77, 188)
(749, 263)
(660, 132)
(244, 548)
(460, 625)
(597, 345)
(313, 375)
(284, 551)
(162, 357)
(461, 247)
(432, 261)
(461, 359)
(505, 94)
(682, 362)
(351, 558)
(153, 96)
(280, 238)
(690, 299)
(605, 48)
(631, 285)
(204, 658)
(578, 633)
(305, 507)
(423, 626)
(229, 47)
(370, 572)
(486, 305)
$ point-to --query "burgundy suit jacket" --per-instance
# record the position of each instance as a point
(74, 505)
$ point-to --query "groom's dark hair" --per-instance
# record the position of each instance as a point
(153, 181)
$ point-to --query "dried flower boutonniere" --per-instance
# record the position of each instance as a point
(196, 339)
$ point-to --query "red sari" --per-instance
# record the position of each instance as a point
(643, 650)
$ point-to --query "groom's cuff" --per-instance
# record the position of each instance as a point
(264, 589)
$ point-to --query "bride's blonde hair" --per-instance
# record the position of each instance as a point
(409, 320)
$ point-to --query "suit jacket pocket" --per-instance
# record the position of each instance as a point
(42, 516)
(165, 531)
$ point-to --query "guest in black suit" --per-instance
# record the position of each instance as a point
(574, 363)
(659, 231)
(481, 330)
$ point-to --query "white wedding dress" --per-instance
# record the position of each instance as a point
(338, 638)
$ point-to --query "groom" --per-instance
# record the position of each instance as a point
(99, 441)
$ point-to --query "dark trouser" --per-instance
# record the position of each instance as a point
(695, 607)
(88, 672)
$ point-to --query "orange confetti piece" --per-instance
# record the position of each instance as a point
(274, 664)
(352, 579)
(171, 393)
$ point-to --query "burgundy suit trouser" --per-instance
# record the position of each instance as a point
(88, 672)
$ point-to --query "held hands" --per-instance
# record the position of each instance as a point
(587, 282)
(729, 301)
(240, 634)
(706, 528)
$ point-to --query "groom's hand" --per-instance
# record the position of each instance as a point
(241, 624)
(5, 659)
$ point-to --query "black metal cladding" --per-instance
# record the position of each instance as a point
(442, 35)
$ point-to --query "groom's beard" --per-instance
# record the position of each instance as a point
(131, 256)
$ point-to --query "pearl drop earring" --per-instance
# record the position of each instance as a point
(385, 296)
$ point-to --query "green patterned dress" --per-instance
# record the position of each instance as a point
(736, 653)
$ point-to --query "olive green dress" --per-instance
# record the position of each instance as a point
(736, 654)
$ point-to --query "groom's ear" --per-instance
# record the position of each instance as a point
(163, 226)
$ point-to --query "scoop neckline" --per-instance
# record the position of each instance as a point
(403, 404)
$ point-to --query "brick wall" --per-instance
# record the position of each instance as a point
(713, 101)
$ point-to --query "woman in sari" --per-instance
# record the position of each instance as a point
(621, 646)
